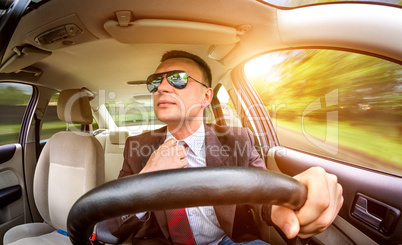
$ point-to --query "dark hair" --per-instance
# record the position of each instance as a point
(206, 71)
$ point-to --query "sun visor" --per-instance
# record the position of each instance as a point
(172, 32)
(23, 57)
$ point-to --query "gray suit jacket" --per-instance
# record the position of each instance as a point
(224, 146)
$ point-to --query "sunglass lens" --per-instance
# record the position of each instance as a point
(152, 88)
(153, 83)
(178, 79)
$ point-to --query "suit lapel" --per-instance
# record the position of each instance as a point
(160, 217)
(215, 154)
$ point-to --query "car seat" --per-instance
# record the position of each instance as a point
(70, 164)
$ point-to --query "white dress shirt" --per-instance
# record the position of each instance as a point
(203, 221)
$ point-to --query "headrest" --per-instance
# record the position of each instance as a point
(118, 137)
(73, 107)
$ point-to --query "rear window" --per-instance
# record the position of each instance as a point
(136, 111)
(52, 124)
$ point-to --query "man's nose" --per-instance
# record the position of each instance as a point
(165, 87)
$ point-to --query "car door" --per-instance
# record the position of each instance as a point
(15, 100)
(338, 110)
(15, 109)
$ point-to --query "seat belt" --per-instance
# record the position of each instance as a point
(37, 139)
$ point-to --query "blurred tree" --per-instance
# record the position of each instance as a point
(13, 95)
(364, 82)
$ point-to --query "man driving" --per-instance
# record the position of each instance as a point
(181, 88)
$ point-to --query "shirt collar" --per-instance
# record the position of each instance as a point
(195, 141)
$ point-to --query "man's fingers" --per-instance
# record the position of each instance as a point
(317, 226)
(171, 148)
(184, 162)
(168, 156)
(181, 151)
(317, 199)
(286, 220)
(326, 197)
(324, 220)
(171, 142)
(324, 200)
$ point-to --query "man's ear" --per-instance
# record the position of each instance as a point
(209, 94)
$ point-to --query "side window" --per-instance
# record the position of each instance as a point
(14, 98)
(227, 108)
(52, 124)
(136, 114)
(338, 104)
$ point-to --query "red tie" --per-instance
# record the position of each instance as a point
(179, 227)
(178, 224)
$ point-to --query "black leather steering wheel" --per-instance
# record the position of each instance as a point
(180, 188)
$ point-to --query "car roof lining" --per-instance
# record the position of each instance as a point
(101, 61)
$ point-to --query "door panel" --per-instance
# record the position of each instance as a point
(7, 152)
(369, 194)
(15, 106)
(11, 181)
(9, 195)
(343, 115)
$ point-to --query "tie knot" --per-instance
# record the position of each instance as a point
(183, 144)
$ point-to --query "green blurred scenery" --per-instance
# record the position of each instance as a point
(13, 101)
(131, 112)
(300, 88)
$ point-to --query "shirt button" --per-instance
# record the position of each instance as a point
(194, 212)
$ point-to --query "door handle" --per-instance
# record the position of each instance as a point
(361, 211)
(9, 195)
(376, 214)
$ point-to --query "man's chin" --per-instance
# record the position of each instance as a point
(170, 120)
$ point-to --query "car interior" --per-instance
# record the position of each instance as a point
(77, 72)
(75, 158)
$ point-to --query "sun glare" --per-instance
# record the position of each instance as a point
(264, 66)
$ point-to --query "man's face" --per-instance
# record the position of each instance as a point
(177, 106)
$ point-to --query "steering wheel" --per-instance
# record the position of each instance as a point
(179, 188)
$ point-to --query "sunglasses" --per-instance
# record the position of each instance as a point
(178, 79)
